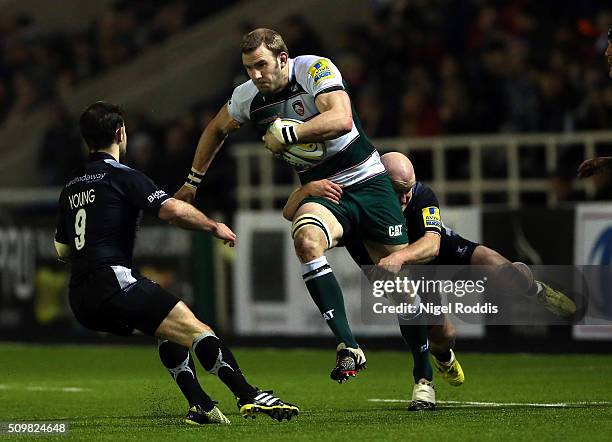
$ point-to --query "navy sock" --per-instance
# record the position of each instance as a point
(179, 363)
(416, 338)
(217, 359)
(443, 356)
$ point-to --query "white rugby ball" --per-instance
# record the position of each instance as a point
(302, 155)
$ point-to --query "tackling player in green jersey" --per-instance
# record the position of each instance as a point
(310, 89)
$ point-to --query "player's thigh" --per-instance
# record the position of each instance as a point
(85, 301)
(143, 305)
(457, 250)
(181, 326)
(486, 256)
(377, 251)
(381, 221)
(318, 218)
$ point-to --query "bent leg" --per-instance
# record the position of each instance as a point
(182, 327)
(315, 229)
(442, 340)
(484, 256)
(513, 278)
(181, 367)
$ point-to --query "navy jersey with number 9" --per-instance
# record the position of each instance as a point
(99, 211)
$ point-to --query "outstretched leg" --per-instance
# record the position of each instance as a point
(523, 282)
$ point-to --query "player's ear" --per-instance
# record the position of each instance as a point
(119, 134)
(284, 57)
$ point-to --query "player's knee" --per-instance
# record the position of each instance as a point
(184, 323)
(196, 328)
(311, 236)
(513, 279)
(309, 244)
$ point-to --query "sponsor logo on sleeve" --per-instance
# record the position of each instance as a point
(431, 217)
(158, 194)
(320, 71)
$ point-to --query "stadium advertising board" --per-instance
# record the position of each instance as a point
(270, 296)
(593, 247)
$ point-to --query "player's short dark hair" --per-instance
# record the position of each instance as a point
(271, 39)
(99, 123)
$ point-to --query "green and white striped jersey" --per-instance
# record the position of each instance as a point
(350, 159)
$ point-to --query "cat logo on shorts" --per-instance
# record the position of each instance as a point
(431, 217)
(395, 231)
(320, 70)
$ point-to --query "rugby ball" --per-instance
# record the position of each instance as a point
(302, 155)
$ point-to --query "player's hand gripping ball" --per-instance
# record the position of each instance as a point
(301, 155)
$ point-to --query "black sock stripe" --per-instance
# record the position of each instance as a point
(285, 135)
(316, 271)
(306, 220)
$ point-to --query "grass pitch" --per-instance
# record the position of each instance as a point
(124, 393)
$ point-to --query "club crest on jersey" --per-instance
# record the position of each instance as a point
(298, 107)
(320, 70)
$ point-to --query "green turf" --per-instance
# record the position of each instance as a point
(131, 396)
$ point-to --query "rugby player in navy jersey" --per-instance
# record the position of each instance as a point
(431, 243)
(99, 209)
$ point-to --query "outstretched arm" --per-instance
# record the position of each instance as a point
(324, 188)
(593, 166)
(188, 217)
(209, 144)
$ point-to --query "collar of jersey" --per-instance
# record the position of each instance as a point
(291, 66)
(97, 156)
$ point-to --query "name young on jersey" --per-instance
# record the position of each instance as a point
(82, 198)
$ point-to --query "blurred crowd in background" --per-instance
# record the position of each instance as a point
(37, 66)
(415, 68)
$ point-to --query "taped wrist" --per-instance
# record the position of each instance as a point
(284, 133)
(289, 135)
(194, 179)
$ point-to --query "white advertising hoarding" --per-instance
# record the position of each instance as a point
(593, 246)
(292, 312)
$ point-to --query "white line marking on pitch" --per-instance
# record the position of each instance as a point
(41, 388)
(499, 404)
